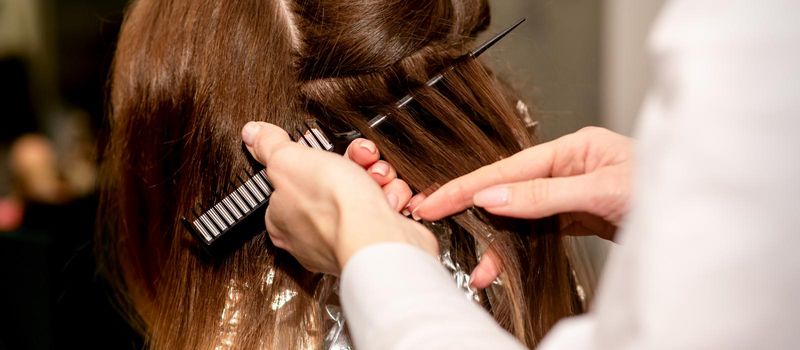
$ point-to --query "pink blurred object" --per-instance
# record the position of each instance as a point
(10, 214)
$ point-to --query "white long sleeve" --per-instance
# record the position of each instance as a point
(709, 258)
(397, 297)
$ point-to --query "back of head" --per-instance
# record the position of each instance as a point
(189, 74)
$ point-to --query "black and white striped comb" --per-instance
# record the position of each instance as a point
(246, 204)
(250, 196)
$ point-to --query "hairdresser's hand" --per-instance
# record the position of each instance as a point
(585, 175)
(326, 208)
(364, 153)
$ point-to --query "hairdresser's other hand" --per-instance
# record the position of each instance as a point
(366, 154)
(585, 175)
(585, 172)
(325, 208)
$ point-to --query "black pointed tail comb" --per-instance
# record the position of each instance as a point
(244, 207)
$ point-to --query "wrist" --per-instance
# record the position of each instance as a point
(376, 226)
(355, 232)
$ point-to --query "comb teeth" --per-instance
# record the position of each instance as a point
(250, 195)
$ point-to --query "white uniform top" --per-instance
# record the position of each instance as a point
(710, 255)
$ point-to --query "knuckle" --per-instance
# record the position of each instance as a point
(594, 133)
(455, 194)
(592, 130)
(451, 197)
(536, 191)
(403, 188)
(281, 154)
(492, 174)
(610, 200)
(259, 147)
(268, 141)
(597, 203)
(502, 174)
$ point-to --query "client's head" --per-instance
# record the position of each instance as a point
(187, 75)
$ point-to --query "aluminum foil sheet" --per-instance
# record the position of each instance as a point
(337, 337)
(460, 276)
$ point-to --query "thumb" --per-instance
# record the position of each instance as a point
(263, 139)
(540, 198)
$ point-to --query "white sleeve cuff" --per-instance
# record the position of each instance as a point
(396, 296)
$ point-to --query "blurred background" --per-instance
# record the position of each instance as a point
(577, 63)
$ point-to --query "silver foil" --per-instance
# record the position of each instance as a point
(460, 277)
(337, 337)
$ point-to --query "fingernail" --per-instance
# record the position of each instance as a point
(249, 132)
(415, 216)
(392, 199)
(380, 168)
(415, 201)
(405, 212)
(492, 197)
(368, 145)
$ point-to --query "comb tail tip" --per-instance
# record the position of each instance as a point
(495, 39)
(379, 119)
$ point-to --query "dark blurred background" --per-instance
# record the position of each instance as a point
(577, 63)
(54, 59)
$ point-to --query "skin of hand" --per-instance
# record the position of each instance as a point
(325, 208)
(364, 153)
(585, 176)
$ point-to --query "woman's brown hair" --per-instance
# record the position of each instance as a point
(189, 74)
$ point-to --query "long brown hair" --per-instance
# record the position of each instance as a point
(188, 74)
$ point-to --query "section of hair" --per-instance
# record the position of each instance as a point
(188, 74)
(451, 129)
(345, 38)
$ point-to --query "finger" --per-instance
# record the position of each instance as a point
(537, 198)
(413, 203)
(603, 193)
(487, 270)
(397, 194)
(363, 152)
(263, 139)
(382, 172)
(457, 194)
